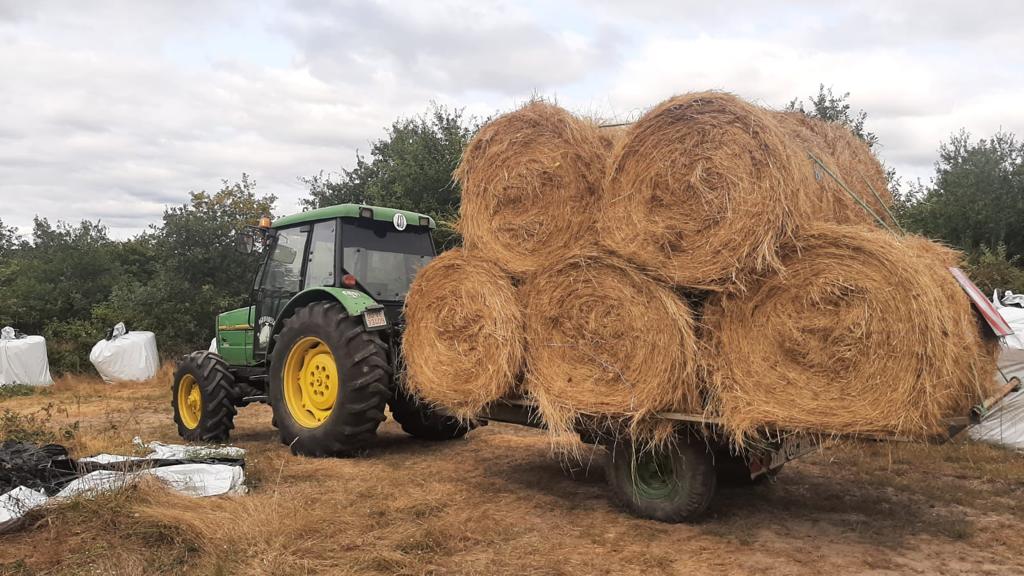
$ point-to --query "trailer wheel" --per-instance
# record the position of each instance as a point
(420, 420)
(204, 397)
(669, 485)
(329, 382)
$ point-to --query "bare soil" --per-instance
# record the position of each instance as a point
(499, 502)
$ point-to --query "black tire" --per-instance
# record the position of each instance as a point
(219, 397)
(364, 385)
(682, 485)
(420, 420)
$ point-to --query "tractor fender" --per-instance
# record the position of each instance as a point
(355, 303)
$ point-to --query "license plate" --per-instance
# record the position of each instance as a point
(374, 319)
(793, 448)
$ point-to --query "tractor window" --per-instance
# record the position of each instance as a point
(283, 273)
(320, 270)
(383, 259)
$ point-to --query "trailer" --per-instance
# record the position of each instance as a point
(677, 483)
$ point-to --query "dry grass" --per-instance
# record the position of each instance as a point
(530, 186)
(497, 503)
(604, 340)
(864, 333)
(464, 339)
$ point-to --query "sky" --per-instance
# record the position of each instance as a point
(113, 111)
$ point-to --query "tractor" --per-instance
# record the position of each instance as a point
(320, 340)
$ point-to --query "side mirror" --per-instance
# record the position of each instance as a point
(245, 242)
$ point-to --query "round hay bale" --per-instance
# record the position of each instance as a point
(530, 183)
(703, 189)
(836, 205)
(464, 341)
(865, 333)
(604, 340)
(850, 159)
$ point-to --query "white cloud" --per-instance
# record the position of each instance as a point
(446, 46)
(913, 101)
(115, 110)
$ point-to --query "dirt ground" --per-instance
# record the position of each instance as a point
(498, 502)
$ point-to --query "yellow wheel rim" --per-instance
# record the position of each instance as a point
(190, 401)
(310, 382)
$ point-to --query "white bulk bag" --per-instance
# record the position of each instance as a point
(126, 358)
(1005, 424)
(1015, 318)
(23, 361)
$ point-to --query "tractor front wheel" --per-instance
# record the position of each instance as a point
(204, 396)
(672, 484)
(329, 381)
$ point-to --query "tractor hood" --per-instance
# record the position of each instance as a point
(238, 319)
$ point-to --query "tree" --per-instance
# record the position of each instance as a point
(411, 169)
(73, 282)
(8, 240)
(976, 199)
(197, 272)
(62, 273)
(831, 108)
(52, 283)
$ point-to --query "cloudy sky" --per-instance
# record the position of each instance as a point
(114, 110)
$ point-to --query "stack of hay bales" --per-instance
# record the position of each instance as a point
(708, 259)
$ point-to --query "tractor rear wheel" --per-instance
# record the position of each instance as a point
(420, 420)
(329, 381)
(671, 485)
(204, 396)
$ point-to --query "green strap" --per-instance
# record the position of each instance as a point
(852, 194)
(882, 204)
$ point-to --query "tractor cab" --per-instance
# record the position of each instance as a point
(364, 256)
(320, 340)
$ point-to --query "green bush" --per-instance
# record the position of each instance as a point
(993, 269)
(36, 428)
(15, 390)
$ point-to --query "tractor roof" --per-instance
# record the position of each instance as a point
(352, 211)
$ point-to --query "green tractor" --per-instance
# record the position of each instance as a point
(321, 338)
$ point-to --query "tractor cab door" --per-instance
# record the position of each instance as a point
(301, 257)
(281, 279)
